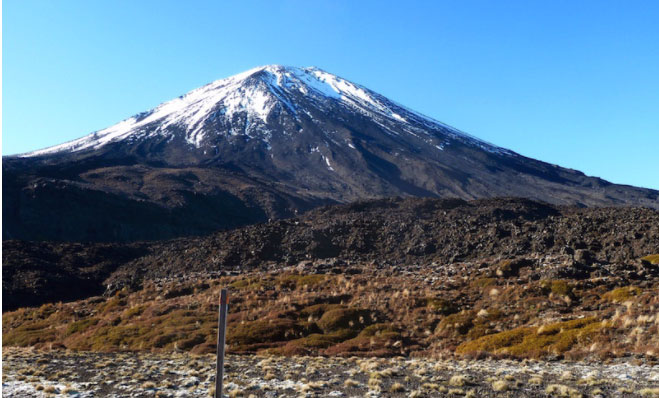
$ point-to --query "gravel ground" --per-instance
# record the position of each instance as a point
(31, 373)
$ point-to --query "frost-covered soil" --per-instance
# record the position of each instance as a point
(30, 373)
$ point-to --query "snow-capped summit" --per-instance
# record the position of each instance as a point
(253, 96)
(266, 143)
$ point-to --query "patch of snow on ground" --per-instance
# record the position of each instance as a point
(327, 161)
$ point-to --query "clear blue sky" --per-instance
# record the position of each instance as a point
(574, 83)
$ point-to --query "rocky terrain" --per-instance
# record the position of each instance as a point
(30, 373)
(392, 233)
(269, 143)
(43, 272)
(399, 297)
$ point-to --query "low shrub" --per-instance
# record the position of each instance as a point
(622, 294)
(29, 334)
(344, 318)
(535, 341)
(456, 324)
(483, 282)
(441, 306)
(265, 331)
(558, 287)
(134, 311)
(379, 340)
(317, 310)
(295, 281)
(81, 325)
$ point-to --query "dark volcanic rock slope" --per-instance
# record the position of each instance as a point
(263, 144)
(403, 232)
(388, 233)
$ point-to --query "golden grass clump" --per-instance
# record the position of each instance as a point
(536, 380)
(622, 294)
(431, 386)
(350, 383)
(458, 381)
(533, 341)
(652, 259)
(397, 387)
(500, 385)
(649, 392)
(560, 390)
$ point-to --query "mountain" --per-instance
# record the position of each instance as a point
(267, 143)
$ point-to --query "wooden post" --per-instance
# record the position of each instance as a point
(221, 334)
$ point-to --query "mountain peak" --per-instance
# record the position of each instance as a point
(242, 105)
(255, 93)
